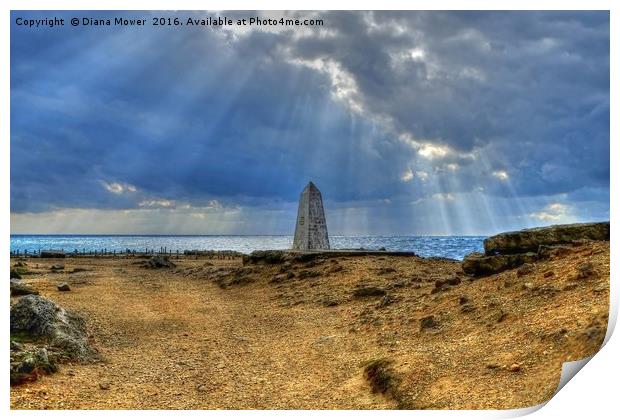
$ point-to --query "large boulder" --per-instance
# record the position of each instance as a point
(43, 320)
(529, 240)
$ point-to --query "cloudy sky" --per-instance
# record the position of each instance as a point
(409, 123)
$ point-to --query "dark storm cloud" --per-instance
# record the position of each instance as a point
(248, 117)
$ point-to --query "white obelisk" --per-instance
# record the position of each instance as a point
(311, 229)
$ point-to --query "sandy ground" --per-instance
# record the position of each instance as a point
(177, 339)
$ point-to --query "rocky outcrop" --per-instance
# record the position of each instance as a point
(529, 240)
(42, 320)
(479, 264)
(513, 249)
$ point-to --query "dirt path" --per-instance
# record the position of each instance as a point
(187, 344)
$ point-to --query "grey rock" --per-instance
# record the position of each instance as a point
(387, 300)
(41, 318)
(159, 261)
(428, 322)
(585, 270)
(28, 364)
(526, 268)
(63, 287)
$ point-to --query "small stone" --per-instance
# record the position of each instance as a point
(335, 268)
(105, 384)
(547, 289)
(453, 281)
(63, 287)
(526, 268)
(601, 288)
(570, 286)
(304, 274)
(201, 388)
(585, 270)
(529, 286)
(492, 365)
(548, 274)
(329, 302)
(463, 300)
(386, 270)
(386, 301)
(279, 278)
(57, 267)
(364, 291)
(428, 322)
(442, 288)
(501, 315)
(515, 367)
(468, 307)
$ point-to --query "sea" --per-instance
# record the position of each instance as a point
(455, 247)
